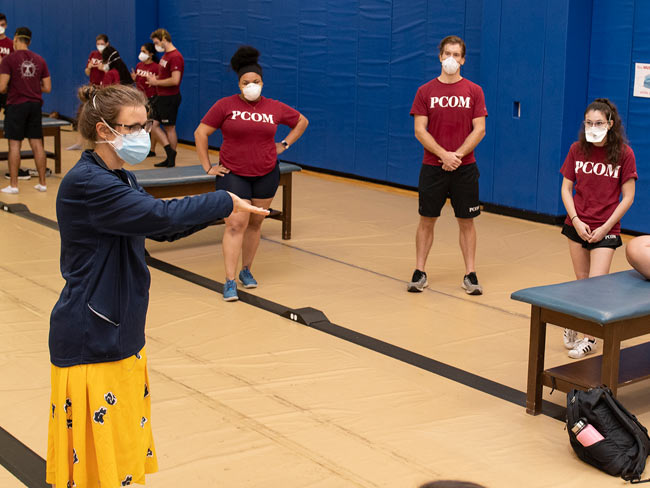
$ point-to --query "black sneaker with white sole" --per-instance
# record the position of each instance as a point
(23, 174)
(418, 282)
(34, 172)
(471, 285)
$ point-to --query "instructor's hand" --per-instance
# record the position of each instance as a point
(239, 205)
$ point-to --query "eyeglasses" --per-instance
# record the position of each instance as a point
(136, 128)
(598, 124)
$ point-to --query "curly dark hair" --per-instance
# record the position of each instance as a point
(245, 61)
(615, 136)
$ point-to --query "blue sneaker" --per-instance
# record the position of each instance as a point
(247, 279)
(230, 291)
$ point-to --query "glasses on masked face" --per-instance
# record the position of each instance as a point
(136, 128)
(599, 124)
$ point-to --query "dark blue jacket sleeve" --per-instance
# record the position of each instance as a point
(117, 208)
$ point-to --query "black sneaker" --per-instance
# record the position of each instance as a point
(151, 154)
(470, 283)
(418, 282)
(23, 174)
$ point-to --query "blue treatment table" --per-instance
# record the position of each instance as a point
(51, 127)
(613, 307)
(192, 180)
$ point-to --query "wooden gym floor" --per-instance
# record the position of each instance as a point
(243, 397)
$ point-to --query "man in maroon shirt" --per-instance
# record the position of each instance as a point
(6, 48)
(449, 120)
(167, 83)
(24, 76)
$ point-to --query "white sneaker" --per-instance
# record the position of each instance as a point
(10, 189)
(583, 348)
(40, 187)
(570, 337)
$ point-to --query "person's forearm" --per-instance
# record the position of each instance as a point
(201, 142)
(471, 141)
(429, 143)
(620, 210)
(297, 131)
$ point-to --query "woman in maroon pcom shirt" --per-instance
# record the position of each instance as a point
(147, 66)
(602, 169)
(248, 160)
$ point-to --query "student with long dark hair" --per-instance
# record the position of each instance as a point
(597, 189)
(115, 69)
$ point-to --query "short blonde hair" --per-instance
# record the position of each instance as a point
(161, 35)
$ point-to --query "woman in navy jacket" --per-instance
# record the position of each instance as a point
(99, 428)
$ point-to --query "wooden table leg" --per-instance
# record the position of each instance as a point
(286, 181)
(611, 358)
(535, 361)
(57, 150)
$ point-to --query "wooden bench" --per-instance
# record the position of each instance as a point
(192, 180)
(614, 308)
(51, 128)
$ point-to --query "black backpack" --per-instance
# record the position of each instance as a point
(626, 444)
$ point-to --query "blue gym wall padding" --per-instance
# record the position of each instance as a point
(353, 69)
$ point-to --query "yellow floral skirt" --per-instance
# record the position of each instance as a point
(99, 432)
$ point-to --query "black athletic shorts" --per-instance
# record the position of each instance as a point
(249, 187)
(3, 100)
(166, 108)
(611, 241)
(461, 186)
(152, 107)
(23, 120)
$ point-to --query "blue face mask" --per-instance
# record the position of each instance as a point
(132, 148)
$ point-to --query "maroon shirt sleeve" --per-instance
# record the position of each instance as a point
(215, 116)
(419, 106)
(288, 115)
(480, 110)
(176, 63)
(628, 165)
(568, 169)
(5, 68)
(46, 72)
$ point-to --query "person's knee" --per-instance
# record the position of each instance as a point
(637, 253)
(427, 223)
(465, 225)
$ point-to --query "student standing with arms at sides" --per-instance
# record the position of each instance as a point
(99, 431)
(6, 48)
(248, 160)
(597, 189)
(449, 117)
(115, 70)
(24, 77)
(148, 65)
(167, 83)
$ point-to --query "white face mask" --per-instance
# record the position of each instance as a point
(593, 134)
(2, 31)
(143, 56)
(252, 91)
(450, 65)
(100, 47)
(159, 48)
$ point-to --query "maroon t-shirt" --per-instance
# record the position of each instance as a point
(597, 183)
(248, 130)
(111, 77)
(450, 108)
(171, 61)
(6, 47)
(141, 72)
(26, 70)
(96, 71)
